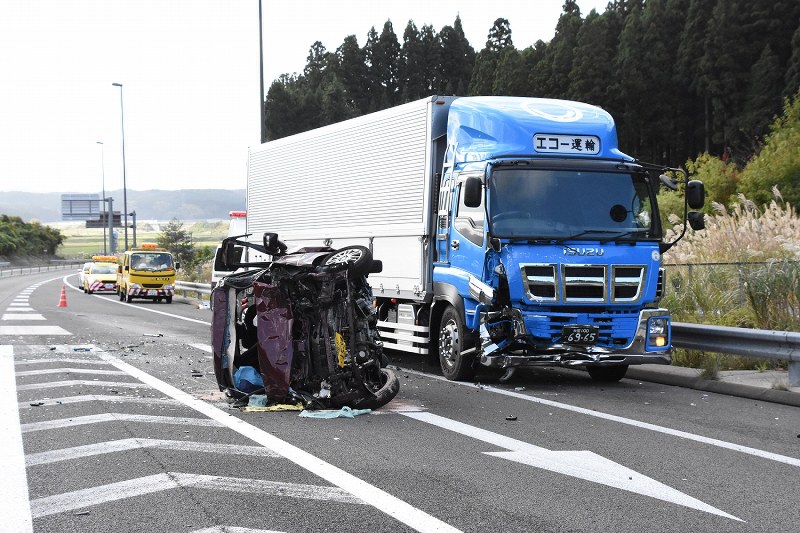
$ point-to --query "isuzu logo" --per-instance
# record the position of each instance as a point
(568, 250)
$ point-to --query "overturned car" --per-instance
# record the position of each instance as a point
(300, 328)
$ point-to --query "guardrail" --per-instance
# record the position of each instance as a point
(6, 272)
(757, 343)
(199, 289)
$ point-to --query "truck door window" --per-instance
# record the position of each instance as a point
(469, 220)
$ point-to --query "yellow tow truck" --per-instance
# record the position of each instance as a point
(146, 272)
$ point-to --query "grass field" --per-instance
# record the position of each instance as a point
(82, 242)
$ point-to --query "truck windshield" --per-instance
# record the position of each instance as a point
(151, 261)
(565, 204)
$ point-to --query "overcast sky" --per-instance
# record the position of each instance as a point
(189, 70)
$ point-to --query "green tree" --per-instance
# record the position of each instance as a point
(352, 71)
(763, 97)
(178, 241)
(778, 162)
(412, 57)
(485, 70)
(793, 67)
(592, 64)
(456, 59)
(562, 48)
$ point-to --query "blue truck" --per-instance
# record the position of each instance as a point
(512, 231)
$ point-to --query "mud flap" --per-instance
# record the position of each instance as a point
(275, 350)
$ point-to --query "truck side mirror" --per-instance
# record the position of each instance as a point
(177, 266)
(697, 220)
(473, 192)
(695, 194)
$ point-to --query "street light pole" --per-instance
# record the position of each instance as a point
(124, 183)
(103, 198)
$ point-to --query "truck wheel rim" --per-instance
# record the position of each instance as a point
(448, 340)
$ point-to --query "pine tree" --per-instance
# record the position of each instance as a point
(412, 56)
(457, 58)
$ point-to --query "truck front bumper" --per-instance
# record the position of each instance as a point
(529, 353)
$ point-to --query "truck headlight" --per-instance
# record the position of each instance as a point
(167, 287)
(658, 332)
(134, 286)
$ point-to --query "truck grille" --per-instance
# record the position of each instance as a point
(583, 284)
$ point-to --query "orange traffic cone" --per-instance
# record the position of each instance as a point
(63, 301)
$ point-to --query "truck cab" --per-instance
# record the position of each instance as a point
(549, 243)
(146, 272)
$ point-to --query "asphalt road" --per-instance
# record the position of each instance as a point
(111, 421)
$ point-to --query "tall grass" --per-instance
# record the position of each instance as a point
(743, 270)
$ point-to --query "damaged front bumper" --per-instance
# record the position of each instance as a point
(523, 351)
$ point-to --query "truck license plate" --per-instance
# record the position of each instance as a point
(152, 293)
(579, 334)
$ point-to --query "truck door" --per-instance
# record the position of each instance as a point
(467, 235)
(443, 219)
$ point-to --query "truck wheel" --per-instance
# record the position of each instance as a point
(358, 259)
(121, 294)
(169, 299)
(454, 339)
(607, 374)
(129, 298)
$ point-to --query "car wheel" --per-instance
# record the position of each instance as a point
(357, 259)
(453, 341)
(390, 386)
(607, 374)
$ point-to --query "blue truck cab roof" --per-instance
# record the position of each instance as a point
(483, 128)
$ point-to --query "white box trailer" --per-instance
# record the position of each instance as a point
(366, 181)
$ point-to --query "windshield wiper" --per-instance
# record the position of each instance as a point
(581, 234)
(625, 234)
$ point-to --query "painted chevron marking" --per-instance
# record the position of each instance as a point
(45, 371)
(33, 330)
(232, 529)
(72, 383)
(80, 499)
(26, 316)
(121, 398)
(89, 450)
(116, 417)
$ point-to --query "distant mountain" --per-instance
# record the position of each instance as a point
(188, 204)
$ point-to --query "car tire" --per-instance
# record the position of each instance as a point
(453, 341)
(390, 386)
(357, 259)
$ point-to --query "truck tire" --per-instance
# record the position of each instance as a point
(454, 339)
(607, 374)
(121, 294)
(128, 298)
(168, 299)
(358, 259)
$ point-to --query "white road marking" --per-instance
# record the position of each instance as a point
(86, 361)
(15, 508)
(116, 417)
(383, 501)
(71, 383)
(33, 330)
(20, 308)
(232, 529)
(203, 347)
(44, 371)
(97, 398)
(622, 420)
(583, 464)
(90, 450)
(16, 316)
(80, 499)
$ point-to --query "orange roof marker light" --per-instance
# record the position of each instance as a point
(104, 258)
(149, 246)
